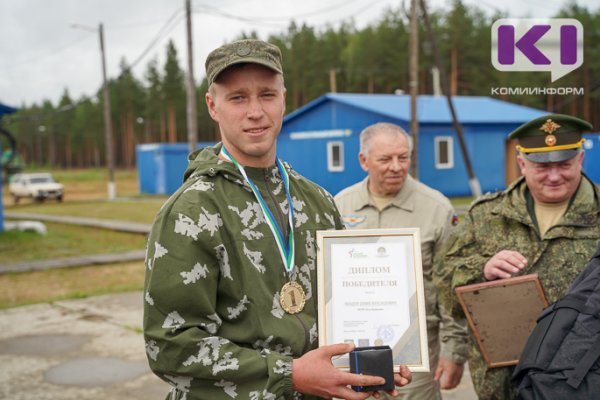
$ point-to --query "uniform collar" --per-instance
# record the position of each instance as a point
(206, 162)
(584, 209)
(404, 198)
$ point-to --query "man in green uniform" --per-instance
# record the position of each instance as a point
(546, 222)
(230, 290)
(390, 198)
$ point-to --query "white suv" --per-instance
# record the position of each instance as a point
(38, 186)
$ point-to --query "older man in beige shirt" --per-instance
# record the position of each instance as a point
(390, 198)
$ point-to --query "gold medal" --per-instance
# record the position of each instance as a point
(292, 298)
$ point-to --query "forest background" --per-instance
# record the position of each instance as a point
(375, 59)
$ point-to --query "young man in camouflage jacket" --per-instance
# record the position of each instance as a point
(547, 222)
(230, 291)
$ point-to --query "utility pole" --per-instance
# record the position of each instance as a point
(473, 181)
(192, 118)
(414, 85)
(108, 133)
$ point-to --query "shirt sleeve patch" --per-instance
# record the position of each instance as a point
(455, 220)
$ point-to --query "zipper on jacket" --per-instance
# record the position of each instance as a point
(306, 335)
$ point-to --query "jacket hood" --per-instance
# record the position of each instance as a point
(206, 162)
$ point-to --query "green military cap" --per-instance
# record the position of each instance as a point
(550, 138)
(242, 51)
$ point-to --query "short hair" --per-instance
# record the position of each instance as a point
(387, 128)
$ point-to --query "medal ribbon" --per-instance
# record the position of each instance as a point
(286, 250)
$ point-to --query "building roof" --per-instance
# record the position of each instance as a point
(4, 109)
(430, 109)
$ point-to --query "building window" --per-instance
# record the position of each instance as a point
(335, 156)
(444, 152)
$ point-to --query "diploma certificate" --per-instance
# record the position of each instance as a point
(370, 293)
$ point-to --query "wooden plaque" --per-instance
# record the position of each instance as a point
(502, 313)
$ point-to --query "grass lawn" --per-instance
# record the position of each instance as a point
(65, 241)
(85, 196)
(86, 184)
(17, 289)
(461, 201)
(132, 210)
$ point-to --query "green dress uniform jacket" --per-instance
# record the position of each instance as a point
(213, 324)
(501, 221)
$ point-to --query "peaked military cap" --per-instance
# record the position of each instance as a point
(550, 138)
(242, 51)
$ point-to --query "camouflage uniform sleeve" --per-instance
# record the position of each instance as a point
(454, 336)
(453, 330)
(182, 319)
(337, 221)
(458, 263)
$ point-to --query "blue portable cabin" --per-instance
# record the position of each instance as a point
(321, 139)
(4, 109)
(161, 166)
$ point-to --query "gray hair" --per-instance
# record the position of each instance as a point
(367, 135)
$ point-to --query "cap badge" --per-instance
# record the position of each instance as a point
(243, 50)
(550, 140)
(549, 127)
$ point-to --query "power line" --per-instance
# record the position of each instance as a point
(282, 21)
(169, 25)
(261, 19)
(252, 21)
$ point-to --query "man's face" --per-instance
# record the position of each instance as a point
(552, 182)
(248, 102)
(387, 163)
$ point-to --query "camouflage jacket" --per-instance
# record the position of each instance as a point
(213, 324)
(500, 221)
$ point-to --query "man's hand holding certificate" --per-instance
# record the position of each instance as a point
(371, 293)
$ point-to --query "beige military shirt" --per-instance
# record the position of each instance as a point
(416, 205)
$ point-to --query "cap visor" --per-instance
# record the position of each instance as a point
(247, 60)
(552, 156)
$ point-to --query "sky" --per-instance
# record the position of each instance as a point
(47, 46)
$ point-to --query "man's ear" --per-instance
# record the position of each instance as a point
(363, 162)
(521, 163)
(210, 104)
(284, 98)
(581, 156)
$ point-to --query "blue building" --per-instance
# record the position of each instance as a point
(161, 166)
(4, 109)
(321, 139)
